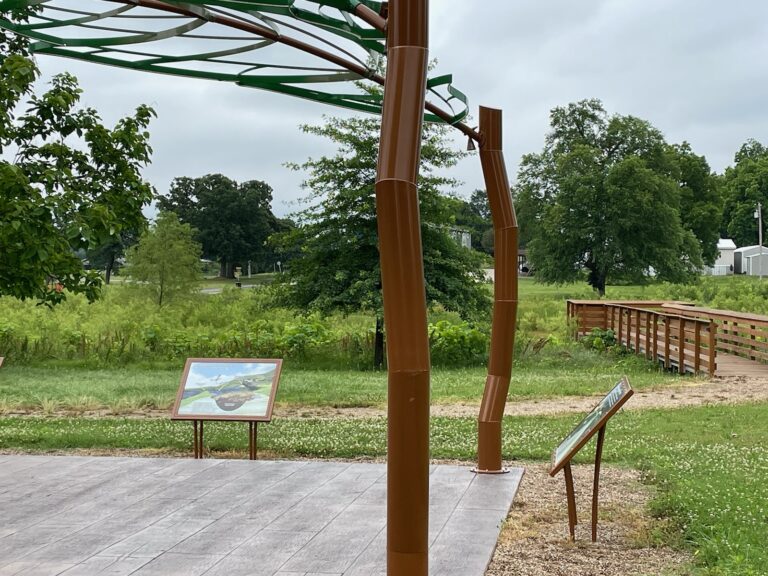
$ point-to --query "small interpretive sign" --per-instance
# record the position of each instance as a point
(591, 423)
(227, 389)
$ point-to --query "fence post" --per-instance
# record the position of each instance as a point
(667, 336)
(637, 332)
(712, 347)
(620, 331)
(696, 346)
(655, 336)
(647, 335)
(681, 346)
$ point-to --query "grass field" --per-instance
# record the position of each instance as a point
(562, 371)
(708, 465)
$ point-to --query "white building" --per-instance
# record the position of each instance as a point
(748, 260)
(725, 254)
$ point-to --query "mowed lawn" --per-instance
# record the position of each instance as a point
(564, 371)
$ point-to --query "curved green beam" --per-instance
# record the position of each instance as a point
(126, 34)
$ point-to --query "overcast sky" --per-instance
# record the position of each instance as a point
(696, 69)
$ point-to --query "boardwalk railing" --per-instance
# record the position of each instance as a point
(682, 342)
(738, 333)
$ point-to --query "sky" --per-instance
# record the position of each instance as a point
(696, 69)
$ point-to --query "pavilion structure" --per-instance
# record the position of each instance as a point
(333, 51)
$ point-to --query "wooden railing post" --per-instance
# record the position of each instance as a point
(712, 344)
(681, 346)
(647, 335)
(620, 331)
(667, 336)
(637, 332)
(655, 337)
(696, 346)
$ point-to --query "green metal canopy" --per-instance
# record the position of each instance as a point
(330, 51)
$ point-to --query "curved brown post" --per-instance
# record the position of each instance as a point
(402, 277)
(504, 293)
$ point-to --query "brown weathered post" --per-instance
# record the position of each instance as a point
(402, 278)
(696, 346)
(504, 293)
(647, 335)
(681, 346)
(620, 331)
(667, 336)
(712, 347)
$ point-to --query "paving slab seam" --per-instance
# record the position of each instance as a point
(294, 507)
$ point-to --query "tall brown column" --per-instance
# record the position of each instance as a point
(402, 275)
(504, 293)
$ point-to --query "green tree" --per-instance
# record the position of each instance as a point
(604, 196)
(166, 261)
(335, 245)
(474, 216)
(233, 221)
(744, 185)
(701, 202)
(108, 255)
(67, 182)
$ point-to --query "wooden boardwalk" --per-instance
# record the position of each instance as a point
(729, 365)
(681, 337)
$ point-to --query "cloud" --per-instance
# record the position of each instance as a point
(693, 68)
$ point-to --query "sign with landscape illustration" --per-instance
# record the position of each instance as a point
(593, 421)
(227, 389)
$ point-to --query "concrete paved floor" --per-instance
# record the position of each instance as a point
(80, 516)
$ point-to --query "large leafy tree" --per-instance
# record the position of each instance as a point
(701, 202)
(745, 184)
(604, 196)
(166, 261)
(233, 221)
(336, 259)
(67, 182)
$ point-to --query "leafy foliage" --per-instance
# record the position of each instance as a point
(72, 183)
(337, 264)
(604, 195)
(233, 221)
(745, 184)
(166, 261)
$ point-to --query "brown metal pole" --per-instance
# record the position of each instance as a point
(571, 497)
(195, 444)
(596, 482)
(200, 441)
(712, 347)
(504, 293)
(402, 278)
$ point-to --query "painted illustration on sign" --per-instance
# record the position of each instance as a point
(227, 389)
(590, 424)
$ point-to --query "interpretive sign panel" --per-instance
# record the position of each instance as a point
(227, 389)
(591, 423)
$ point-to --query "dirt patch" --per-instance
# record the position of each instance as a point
(534, 541)
(696, 392)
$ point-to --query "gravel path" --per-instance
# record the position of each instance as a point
(534, 541)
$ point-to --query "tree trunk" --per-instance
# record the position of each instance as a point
(108, 271)
(226, 269)
(378, 344)
(596, 279)
(599, 284)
